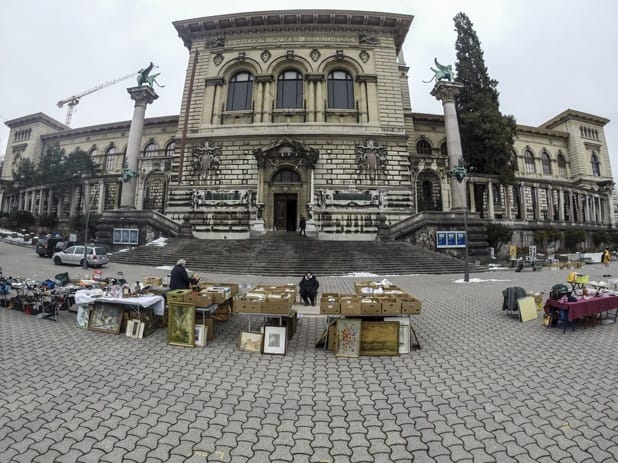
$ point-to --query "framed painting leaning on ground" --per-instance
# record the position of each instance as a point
(250, 342)
(275, 340)
(106, 317)
(181, 324)
(348, 337)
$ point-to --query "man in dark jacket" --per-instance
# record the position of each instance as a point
(308, 288)
(179, 278)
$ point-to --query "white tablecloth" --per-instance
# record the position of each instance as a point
(89, 296)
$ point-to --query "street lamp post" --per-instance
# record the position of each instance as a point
(460, 172)
(87, 212)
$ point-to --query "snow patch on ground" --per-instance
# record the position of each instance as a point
(478, 280)
(160, 242)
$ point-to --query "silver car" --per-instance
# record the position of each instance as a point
(74, 255)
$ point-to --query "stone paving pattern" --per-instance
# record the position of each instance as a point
(483, 388)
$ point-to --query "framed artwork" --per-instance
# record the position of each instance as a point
(181, 324)
(404, 332)
(379, 338)
(275, 340)
(348, 337)
(250, 341)
(135, 329)
(200, 335)
(147, 316)
(527, 308)
(106, 317)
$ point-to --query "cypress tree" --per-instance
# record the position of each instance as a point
(487, 135)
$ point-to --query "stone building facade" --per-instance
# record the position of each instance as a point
(308, 113)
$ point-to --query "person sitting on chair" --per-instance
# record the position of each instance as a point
(308, 288)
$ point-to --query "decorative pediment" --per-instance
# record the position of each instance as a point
(286, 152)
(371, 158)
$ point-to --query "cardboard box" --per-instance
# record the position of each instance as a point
(327, 307)
(370, 306)
(390, 306)
(410, 305)
(247, 306)
(277, 305)
(199, 299)
(350, 307)
(178, 295)
(234, 287)
(219, 294)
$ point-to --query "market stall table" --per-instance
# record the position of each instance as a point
(571, 311)
(157, 303)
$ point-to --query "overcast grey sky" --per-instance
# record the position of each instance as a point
(547, 55)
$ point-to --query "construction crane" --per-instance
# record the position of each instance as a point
(72, 101)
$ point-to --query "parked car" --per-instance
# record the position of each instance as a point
(62, 245)
(74, 255)
(45, 247)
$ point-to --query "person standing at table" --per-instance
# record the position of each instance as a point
(309, 288)
(605, 258)
(179, 278)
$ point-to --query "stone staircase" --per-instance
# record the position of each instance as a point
(286, 254)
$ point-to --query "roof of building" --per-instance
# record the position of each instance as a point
(190, 29)
(36, 117)
(573, 114)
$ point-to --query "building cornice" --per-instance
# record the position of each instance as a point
(573, 114)
(110, 127)
(254, 22)
(34, 118)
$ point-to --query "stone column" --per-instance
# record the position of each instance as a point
(472, 203)
(142, 96)
(560, 205)
(40, 208)
(491, 213)
(446, 93)
(101, 202)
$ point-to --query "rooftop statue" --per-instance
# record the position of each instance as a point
(442, 73)
(144, 77)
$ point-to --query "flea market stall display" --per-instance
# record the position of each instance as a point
(592, 302)
(375, 320)
(272, 306)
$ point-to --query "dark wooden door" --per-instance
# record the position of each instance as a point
(285, 211)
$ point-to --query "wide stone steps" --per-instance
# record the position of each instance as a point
(287, 254)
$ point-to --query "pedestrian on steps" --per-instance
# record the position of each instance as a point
(302, 225)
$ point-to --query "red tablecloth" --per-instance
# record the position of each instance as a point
(584, 307)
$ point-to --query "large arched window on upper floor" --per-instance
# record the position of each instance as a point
(169, 149)
(93, 152)
(150, 149)
(596, 165)
(340, 89)
(290, 90)
(529, 162)
(110, 158)
(443, 149)
(240, 92)
(286, 175)
(546, 163)
(562, 166)
(423, 147)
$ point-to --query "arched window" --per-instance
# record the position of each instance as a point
(546, 162)
(290, 90)
(150, 149)
(443, 149)
(340, 89)
(286, 175)
(562, 167)
(110, 158)
(240, 92)
(423, 147)
(529, 162)
(93, 152)
(596, 165)
(169, 149)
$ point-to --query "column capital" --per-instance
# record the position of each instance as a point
(143, 94)
(446, 91)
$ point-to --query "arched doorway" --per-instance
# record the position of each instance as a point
(428, 191)
(154, 192)
(286, 184)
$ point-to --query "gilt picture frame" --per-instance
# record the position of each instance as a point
(181, 324)
(106, 317)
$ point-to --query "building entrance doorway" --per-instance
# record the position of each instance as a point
(285, 208)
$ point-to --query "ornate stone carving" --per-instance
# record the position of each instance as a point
(265, 55)
(222, 198)
(288, 152)
(217, 41)
(364, 56)
(366, 39)
(371, 158)
(218, 59)
(206, 158)
(315, 54)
